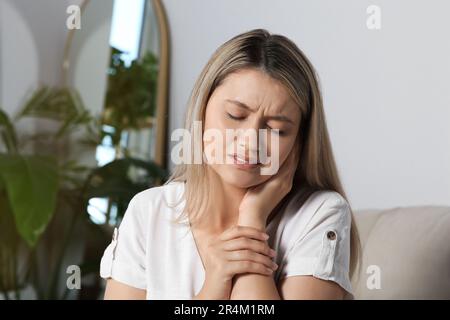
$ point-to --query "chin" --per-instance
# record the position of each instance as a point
(241, 178)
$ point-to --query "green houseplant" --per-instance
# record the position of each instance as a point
(29, 184)
(44, 192)
(131, 93)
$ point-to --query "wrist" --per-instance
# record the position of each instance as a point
(211, 291)
(252, 220)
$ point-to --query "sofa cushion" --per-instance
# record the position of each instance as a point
(409, 248)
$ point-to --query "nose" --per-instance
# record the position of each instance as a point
(248, 141)
(247, 150)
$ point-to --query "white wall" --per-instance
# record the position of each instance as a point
(90, 55)
(386, 92)
(32, 43)
(32, 36)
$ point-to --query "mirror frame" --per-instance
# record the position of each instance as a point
(162, 82)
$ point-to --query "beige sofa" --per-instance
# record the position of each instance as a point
(406, 253)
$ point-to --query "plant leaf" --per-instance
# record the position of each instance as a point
(114, 180)
(63, 104)
(7, 132)
(31, 184)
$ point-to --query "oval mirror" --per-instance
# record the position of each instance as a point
(118, 62)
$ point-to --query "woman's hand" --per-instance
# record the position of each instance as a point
(259, 201)
(237, 250)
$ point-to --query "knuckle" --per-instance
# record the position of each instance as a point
(259, 267)
(262, 247)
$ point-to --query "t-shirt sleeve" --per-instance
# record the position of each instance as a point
(124, 258)
(323, 251)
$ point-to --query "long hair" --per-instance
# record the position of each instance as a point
(280, 58)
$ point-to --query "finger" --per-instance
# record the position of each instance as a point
(239, 267)
(248, 244)
(241, 231)
(243, 255)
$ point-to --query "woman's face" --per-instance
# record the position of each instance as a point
(247, 101)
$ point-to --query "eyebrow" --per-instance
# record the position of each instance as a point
(243, 105)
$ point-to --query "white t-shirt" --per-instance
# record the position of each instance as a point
(150, 252)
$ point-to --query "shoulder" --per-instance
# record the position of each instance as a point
(154, 201)
(330, 210)
(323, 208)
(319, 204)
(316, 237)
(325, 203)
(166, 193)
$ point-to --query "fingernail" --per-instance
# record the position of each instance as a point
(265, 236)
(272, 253)
(274, 266)
(269, 270)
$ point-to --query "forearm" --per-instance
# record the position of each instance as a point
(254, 286)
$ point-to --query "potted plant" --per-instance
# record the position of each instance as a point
(44, 193)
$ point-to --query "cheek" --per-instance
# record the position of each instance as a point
(283, 147)
(284, 153)
(215, 116)
(213, 137)
(216, 125)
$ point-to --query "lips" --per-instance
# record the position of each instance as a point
(244, 162)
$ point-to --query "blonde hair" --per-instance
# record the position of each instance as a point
(279, 57)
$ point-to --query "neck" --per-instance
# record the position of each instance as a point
(223, 207)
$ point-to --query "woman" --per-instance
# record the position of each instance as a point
(246, 235)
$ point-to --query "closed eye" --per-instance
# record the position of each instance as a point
(280, 132)
(235, 118)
